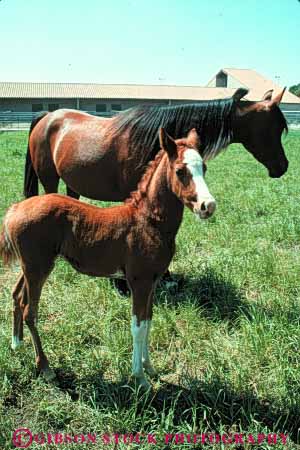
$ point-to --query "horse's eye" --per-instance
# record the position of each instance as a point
(180, 173)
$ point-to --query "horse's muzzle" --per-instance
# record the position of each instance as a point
(278, 172)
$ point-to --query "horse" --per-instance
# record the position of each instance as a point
(136, 238)
(104, 158)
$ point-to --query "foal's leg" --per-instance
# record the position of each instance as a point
(142, 293)
(34, 284)
(149, 369)
(17, 327)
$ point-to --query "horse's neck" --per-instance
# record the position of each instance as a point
(160, 203)
(241, 124)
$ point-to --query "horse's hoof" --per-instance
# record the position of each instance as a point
(48, 374)
(172, 282)
(15, 342)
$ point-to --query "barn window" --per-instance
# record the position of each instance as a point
(36, 107)
(101, 107)
(221, 80)
(116, 107)
(53, 106)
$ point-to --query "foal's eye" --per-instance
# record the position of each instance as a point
(180, 173)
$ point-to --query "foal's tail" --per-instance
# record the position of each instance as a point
(31, 186)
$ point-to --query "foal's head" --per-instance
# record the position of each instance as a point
(186, 173)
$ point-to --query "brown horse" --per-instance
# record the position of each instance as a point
(104, 159)
(136, 239)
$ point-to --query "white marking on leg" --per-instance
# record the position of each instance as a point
(146, 356)
(194, 163)
(139, 334)
(15, 342)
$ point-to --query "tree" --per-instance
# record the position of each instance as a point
(295, 89)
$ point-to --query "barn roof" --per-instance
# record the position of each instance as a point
(110, 91)
(257, 84)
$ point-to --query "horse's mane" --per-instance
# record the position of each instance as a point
(212, 120)
(142, 187)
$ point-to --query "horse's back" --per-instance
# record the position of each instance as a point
(78, 148)
(66, 121)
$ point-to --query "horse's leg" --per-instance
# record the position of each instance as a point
(142, 296)
(121, 286)
(17, 328)
(50, 184)
(72, 194)
(34, 283)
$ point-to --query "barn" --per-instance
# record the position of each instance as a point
(19, 101)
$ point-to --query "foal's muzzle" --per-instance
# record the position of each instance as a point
(205, 209)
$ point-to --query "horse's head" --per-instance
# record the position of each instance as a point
(186, 173)
(259, 126)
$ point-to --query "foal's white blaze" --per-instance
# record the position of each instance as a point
(195, 165)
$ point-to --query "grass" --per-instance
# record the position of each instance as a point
(226, 345)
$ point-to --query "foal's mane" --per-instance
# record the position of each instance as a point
(212, 120)
(142, 187)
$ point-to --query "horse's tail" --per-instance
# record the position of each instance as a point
(31, 186)
(7, 250)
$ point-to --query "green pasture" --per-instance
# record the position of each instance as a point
(226, 345)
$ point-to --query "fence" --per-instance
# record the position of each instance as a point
(13, 121)
(293, 118)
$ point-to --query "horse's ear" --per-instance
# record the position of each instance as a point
(193, 139)
(167, 143)
(276, 100)
(239, 94)
(267, 95)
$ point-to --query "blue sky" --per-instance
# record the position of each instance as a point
(149, 42)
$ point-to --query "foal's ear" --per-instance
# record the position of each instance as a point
(193, 139)
(267, 95)
(239, 94)
(167, 143)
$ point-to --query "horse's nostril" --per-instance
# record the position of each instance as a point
(203, 206)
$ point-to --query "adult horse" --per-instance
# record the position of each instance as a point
(104, 159)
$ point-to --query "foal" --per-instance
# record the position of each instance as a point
(136, 238)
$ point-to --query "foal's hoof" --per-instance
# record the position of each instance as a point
(15, 342)
(142, 383)
(48, 374)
